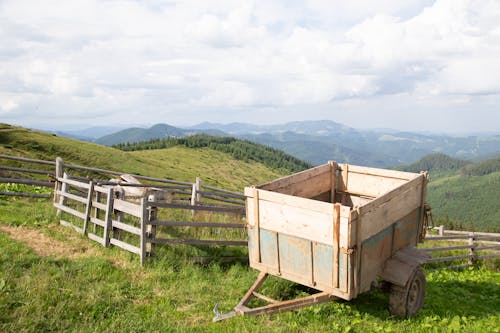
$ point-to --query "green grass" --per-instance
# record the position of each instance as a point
(108, 291)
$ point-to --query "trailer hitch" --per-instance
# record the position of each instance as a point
(221, 316)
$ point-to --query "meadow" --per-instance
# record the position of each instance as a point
(52, 279)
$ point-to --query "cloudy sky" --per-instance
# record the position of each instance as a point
(410, 65)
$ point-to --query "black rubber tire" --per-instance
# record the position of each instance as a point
(406, 301)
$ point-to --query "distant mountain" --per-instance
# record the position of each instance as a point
(89, 134)
(136, 134)
(319, 141)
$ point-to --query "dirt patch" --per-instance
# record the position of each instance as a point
(45, 246)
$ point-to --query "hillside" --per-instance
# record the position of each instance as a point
(240, 149)
(463, 195)
(181, 163)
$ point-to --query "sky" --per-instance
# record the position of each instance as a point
(407, 65)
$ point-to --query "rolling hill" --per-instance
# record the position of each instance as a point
(463, 195)
(216, 168)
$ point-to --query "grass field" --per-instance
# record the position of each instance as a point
(52, 279)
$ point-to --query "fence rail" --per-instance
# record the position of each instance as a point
(475, 249)
(196, 193)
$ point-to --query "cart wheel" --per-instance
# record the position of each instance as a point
(406, 301)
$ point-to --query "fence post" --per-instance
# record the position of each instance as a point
(441, 230)
(151, 229)
(108, 218)
(64, 189)
(57, 186)
(144, 222)
(195, 193)
(472, 254)
(89, 207)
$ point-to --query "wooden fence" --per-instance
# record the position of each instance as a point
(478, 246)
(100, 213)
(195, 193)
(22, 172)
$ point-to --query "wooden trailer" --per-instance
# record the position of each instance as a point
(340, 229)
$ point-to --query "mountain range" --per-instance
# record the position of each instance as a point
(319, 141)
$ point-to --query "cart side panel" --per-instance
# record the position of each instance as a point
(369, 182)
(291, 215)
(380, 247)
(387, 209)
(306, 184)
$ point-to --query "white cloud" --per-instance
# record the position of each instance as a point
(204, 60)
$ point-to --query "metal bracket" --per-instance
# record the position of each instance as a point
(221, 316)
(348, 251)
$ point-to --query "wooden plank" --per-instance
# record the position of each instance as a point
(98, 205)
(197, 242)
(487, 247)
(72, 196)
(343, 251)
(438, 238)
(73, 183)
(382, 172)
(26, 182)
(302, 203)
(70, 210)
(71, 225)
(336, 238)
(446, 248)
(230, 193)
(196, 224)
(21, 194)
(391, 195)
(24, 159)
(235, 210)
(25, 170)
(372, 186)
(127, 207)
(97, 221)
(96, 238)
(88, 207)
(256, 227)
(492, 256)
(383, 211)
(126, 227)
(297, 221)
(108, 217)
(101, 189)
(142, 231)
(439, 259)
(125, 246)
(333, 180)
(299, 177)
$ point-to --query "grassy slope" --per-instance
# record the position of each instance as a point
(179, 163)
(107, 291)
(458, 201)
(472, 201)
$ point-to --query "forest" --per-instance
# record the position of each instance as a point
(240, 149)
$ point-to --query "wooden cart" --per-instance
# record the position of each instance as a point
(338, 228)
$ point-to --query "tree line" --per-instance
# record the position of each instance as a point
(239, 149)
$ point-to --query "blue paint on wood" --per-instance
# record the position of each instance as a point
(323, 264)
(295, 256)
(268, 248)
